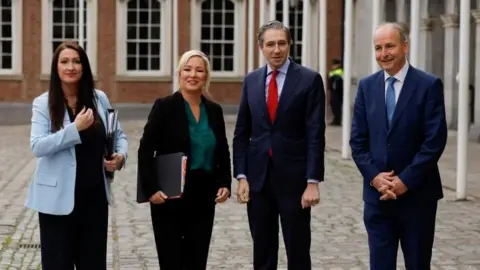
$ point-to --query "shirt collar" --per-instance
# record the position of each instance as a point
(400, 76)
(283, 69)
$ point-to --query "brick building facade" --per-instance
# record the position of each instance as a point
(131, 50)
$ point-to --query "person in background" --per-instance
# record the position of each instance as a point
(399, 132)
(186, 122)
(69, 187)
(278, 151)
(335, 85)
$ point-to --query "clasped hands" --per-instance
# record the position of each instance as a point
(390, 185)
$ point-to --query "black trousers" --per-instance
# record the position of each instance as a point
(183, 227)
(263, 209)
(78, 239)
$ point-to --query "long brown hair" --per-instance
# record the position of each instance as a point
(86, 88)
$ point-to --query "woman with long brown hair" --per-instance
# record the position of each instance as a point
(70, 189)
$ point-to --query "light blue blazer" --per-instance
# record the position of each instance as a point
(52, 190)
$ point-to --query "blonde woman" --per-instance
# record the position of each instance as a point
(186, 122)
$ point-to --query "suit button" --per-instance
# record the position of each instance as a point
(389, 145)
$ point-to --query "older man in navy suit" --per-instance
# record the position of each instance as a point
(278, 150)
(398, 134)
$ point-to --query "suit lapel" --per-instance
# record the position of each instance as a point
(66, 121)
(210, 115)
(291, 79)
(181, 121)
(260, 94)
(381, 112)
(405, 95)
(101, 111)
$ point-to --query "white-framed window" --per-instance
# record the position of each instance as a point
(60, 22)
(295, 21)
(11, 16)
(144, 37)
(218, 29)
(302, 19)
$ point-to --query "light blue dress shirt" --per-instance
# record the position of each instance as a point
(282, 74)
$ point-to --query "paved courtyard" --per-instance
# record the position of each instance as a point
(339, 238)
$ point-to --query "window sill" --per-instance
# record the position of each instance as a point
(224, 79)
(142, 78)
(46, 77)
(11, 77)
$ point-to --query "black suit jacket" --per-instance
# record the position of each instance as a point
(167, 132)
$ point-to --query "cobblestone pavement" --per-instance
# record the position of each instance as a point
(339, 238)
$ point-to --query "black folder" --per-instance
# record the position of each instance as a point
(111, 116)
(170, 175)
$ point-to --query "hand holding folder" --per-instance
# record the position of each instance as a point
(170, 171)
(112, 120)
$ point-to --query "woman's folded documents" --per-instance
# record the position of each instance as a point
(112, 121)
(170, 172)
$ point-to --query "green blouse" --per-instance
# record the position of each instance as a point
(202, 140)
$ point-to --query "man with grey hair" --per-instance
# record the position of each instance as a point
(278, 151)
(399, 133)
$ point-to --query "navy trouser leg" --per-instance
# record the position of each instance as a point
(417, 234)
(383, 237)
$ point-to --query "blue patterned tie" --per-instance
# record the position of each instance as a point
(390, 98)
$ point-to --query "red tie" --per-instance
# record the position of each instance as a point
(272, 100)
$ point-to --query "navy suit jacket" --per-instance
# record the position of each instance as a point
(296, 137)
(413, 143)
